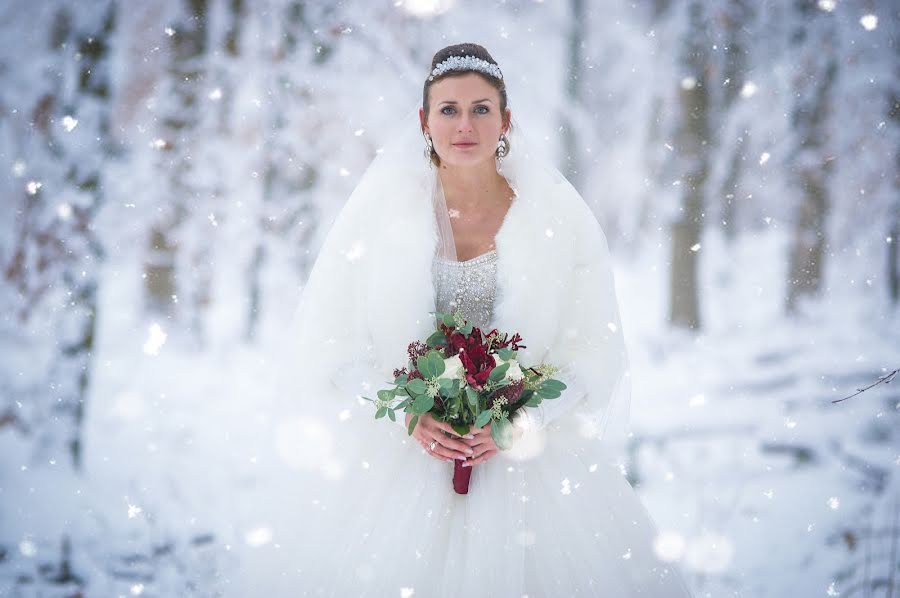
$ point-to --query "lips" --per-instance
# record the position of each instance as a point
(465, 144)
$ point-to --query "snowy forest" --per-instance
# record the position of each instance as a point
(169, 168)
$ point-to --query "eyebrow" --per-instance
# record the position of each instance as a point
(475, 102)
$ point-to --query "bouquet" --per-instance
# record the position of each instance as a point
(464, 377)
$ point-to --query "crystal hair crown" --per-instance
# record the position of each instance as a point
(466, 63)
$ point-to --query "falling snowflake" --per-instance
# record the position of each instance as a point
(158, 144)
(27, 548)
(134, 511)
(549, 233)
(749, 89)
(407, 592)
(827, 5)
(627, 555)
(344, 172)
(215, 94)
(18, 169)
(688, 83)
(769, 493)
(155, 341)
(212, 219)
(69, 123)
(64, 211)
(592, 468)
(695, 247)
(32, 187)
(697, 400)
(566, 489)
(763, 158)
(169, 31)
(612, 326)
(137, 589)
(356, 251)
(832, 590)
(834, 502)
(869, 22)
(669, 546)
(258, 536)
(359, 132)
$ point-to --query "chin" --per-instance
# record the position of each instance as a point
(467, 160)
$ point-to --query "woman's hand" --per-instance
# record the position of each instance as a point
(484, 446)
(448, 447)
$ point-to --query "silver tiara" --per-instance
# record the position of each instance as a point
(466, 63)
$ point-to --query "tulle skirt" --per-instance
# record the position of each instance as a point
(365, 511)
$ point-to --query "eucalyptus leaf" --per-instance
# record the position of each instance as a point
(425, 366)
(416, 386)
(449, 320)
(501, 432)
(412, 424)
(461, 429)
(391, 415)
(498, 372)
(436, 338)
(423, 404)
(437, 362)
(554, 385)
(472, 395)
(380, 413)
(483, 418)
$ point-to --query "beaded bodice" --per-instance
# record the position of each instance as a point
(468, 286)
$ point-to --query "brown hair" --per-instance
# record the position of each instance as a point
(467, 49)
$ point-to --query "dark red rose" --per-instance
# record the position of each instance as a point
(478, 365)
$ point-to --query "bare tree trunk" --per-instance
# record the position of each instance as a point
(572, 163)
(893, 247)
(693, 148)
(810, 161)
(735, 16)
(166, 283)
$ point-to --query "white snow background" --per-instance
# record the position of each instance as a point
(760, 484)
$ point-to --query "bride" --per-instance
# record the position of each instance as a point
(483, 224)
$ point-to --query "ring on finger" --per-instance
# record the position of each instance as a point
(433, 444)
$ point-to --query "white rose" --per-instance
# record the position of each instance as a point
(453, 368)
(514, 373)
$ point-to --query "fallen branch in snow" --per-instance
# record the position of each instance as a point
(886, 379)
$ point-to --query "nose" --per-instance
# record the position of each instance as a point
(465, 123)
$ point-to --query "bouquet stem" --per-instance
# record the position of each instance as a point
(461, 477)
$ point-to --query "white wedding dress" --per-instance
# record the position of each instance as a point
(537, 521)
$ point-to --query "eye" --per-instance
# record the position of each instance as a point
(480, 106)
(447, 108)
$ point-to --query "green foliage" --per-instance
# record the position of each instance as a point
(483, 418)
(416, 387)
(498, 373)
(501, 432)
(422, 404)
(436, 338)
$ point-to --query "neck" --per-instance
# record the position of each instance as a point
(470, 185)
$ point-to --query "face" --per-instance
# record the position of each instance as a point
(464, 120)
